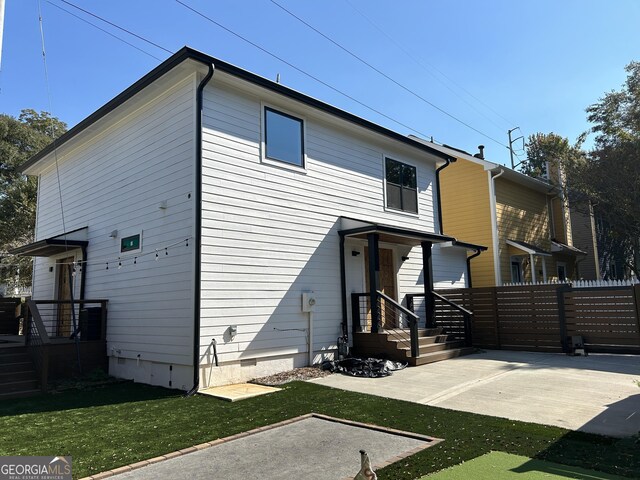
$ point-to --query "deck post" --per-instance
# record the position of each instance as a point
(374, 279)
(427, 273)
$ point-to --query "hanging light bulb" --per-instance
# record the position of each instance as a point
(157, 256)
(107, 265)
(166, 250)
(119, 264)
(135, 260)
(187, 240)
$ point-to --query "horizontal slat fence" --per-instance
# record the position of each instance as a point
(543, 318)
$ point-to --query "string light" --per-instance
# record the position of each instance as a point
(157, 257)
(166, 251)
(107, 265)
(119, 264)
(135, 260)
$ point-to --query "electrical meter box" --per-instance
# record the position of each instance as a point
(308, 301)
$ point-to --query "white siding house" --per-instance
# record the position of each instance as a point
(231, 235)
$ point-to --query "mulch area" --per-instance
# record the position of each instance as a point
(304, 373)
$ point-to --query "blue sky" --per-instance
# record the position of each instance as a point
(495, 65)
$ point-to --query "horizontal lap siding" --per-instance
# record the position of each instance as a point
(522, 215)
(270, 233)
(466, 213)
(116, 181)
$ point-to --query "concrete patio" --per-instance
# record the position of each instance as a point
(597, 393)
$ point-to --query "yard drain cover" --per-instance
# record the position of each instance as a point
(310, 447)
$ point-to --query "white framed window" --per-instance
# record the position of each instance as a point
(283, 138)
(401, 186)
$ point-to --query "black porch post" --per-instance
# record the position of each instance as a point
(343, 290)
(427, 272)
(374, 279)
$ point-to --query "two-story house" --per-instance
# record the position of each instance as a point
(228, 220)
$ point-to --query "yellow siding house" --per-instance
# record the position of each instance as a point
(524, 221)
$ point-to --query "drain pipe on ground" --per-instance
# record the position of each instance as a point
(198, 232)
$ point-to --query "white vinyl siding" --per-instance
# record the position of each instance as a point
(116, 180)
(270, 233)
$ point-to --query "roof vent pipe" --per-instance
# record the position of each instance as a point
(480, 153)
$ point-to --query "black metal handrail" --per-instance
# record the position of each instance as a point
(466, 314)
(393, 313)
(37, 342)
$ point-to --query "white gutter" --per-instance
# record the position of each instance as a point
(494, 226)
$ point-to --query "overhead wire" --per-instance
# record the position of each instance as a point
(298, 69)
(388, 77)
(53, 133)
(102, 29)
(426, 66)
(140, 37)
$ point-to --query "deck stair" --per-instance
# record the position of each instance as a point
(394, 344)
(18, 375)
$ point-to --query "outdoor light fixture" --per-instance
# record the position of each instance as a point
(355, 253)
(404, 259)
(114, 234)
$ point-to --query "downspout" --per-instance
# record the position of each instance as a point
(197, 240)
(494, 226)
(469, 258)
(442, 167)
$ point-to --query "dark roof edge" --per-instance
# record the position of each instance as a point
(471, 246)
(186, 53)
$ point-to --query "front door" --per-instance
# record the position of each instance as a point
(387, 283)
(64, 294)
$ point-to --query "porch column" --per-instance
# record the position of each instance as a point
(532, 262)
(427, 274)
(374, 279)
(544, 269)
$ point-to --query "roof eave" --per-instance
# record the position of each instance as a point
(186, 53)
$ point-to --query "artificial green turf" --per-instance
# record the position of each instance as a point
(506, 466)
(107, 427)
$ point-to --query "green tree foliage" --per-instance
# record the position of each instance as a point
(548, 150)
(610, 177)
(20, 138)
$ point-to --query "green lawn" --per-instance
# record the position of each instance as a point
(107, 427)
(506, 466)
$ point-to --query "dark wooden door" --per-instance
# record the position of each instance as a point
(387, 284)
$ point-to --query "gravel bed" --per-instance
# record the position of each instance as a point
(304, 373)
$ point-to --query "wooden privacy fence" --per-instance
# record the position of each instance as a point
(544, 317)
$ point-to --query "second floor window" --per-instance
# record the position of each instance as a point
(283, 137)
(401, 185)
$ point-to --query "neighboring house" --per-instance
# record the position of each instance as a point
(524, 221)
(206, 200)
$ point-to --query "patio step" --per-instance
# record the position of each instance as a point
(423, 359)
(18, 376)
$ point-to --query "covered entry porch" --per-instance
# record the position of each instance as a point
(390, 307)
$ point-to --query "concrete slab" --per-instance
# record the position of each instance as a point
(238, 391)
(599, 393)
(314, 447)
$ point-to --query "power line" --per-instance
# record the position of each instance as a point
(322, 82)
(380, 72)
(117, 26)
(102, 30)
(53, 132)
(426, 66)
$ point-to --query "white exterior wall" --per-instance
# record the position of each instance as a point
(270, 233)
(116, 180)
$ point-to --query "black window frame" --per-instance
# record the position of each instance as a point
(266, 138)
(402, 188)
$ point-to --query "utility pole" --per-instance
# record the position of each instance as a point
(511, 142)
(1, 29)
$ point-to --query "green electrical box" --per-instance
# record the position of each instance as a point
(128, 244)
